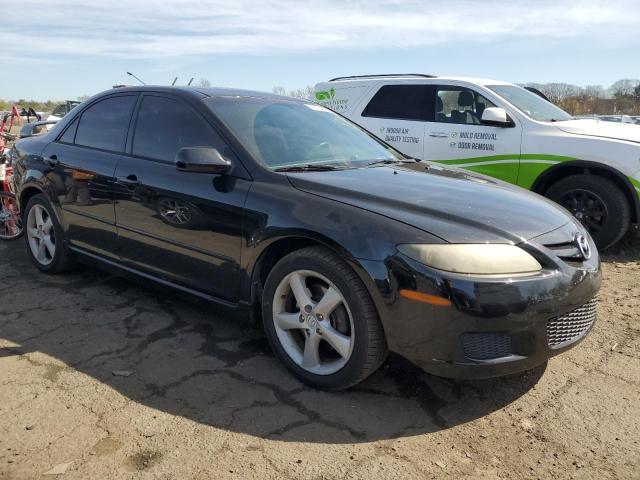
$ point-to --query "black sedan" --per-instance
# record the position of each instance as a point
(345, 248)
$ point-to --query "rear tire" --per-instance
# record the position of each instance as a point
(338, 340)
(44, 237)
(598, 203)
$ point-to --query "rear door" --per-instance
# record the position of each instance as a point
(83, 161)
(455, 135)
(182, 227)
(397, 115)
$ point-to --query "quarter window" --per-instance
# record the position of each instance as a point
(402, 102)
(165, 125)
(104, 125)
(70, 133)
(460, 105)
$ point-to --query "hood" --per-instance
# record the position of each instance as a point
(450, 203)
(599, 128)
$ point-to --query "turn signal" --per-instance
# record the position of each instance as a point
(426, 298)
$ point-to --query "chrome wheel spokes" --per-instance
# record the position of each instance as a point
(313, 322)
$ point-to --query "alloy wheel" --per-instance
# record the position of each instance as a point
(41, 235)
(587, 207)
(313, 322)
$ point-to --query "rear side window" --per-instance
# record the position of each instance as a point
(402, 102)
(165, 125)
(104, 125)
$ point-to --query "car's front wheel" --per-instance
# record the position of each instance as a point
(44, 236)
(320, 320)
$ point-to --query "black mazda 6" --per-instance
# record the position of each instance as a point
(346, 249)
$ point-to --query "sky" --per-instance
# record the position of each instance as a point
(69, 48)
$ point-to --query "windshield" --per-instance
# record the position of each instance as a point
(530, 103)
(285, 133)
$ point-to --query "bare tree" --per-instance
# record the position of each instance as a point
(624, 88)
(279, 91)
(557, 92)
(204, 83)
(593, 91)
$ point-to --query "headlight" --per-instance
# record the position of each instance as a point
(478, 259)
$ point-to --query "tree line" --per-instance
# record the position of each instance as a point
(621, 98)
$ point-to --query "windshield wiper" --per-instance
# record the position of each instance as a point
(391, 162)
(307, 168)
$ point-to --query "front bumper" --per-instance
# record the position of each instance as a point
(494, 326)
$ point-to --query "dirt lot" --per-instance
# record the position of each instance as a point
(206, 399)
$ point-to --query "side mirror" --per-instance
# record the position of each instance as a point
(202, 160)
(496, 117)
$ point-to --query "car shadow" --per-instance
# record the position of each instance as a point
(181, 355)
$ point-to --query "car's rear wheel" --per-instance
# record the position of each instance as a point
(598, 203)
(320, 320)
(44, 237)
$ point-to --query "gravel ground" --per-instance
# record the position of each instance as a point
(197, 394)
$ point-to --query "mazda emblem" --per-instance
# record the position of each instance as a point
(583, 245)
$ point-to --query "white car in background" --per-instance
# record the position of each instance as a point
(502, 130)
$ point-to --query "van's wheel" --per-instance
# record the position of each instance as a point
(598, 203)
(44, 236)
(321, 321)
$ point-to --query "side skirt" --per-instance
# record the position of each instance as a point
(118, 268)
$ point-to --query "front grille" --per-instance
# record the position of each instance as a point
(571, 326)
(568, 251)
(486, 345)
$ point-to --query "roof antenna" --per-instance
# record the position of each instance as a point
(131, 74)
(174, 81)
(189, 84)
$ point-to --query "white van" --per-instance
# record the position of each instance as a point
(502, 130)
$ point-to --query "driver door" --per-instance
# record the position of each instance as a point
(457, 137)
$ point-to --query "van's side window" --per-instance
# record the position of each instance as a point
(402, 102)
(460, 105)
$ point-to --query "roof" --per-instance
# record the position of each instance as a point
(417, 78)
(199, 92)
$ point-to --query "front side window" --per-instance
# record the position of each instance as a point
(460, 105)
(401, 102)
(165, 125)
(284, 133)
(104, 125)
(530, 104)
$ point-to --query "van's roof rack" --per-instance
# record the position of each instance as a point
(423, 75)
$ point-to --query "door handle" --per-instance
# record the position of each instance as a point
(129, 181)
(439, 135)
(52, 161)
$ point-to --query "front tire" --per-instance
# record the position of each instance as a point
(598, 203)
(320, 320)
(44, 237)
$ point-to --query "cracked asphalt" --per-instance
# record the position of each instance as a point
(204, 397)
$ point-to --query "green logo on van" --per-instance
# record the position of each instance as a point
(328, 95)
